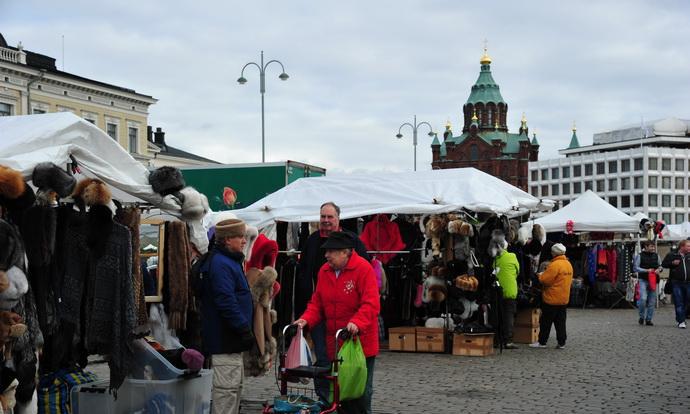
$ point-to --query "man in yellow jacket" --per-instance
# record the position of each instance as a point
(556, 281)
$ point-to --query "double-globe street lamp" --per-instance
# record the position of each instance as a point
(415, 126)
(262, 88)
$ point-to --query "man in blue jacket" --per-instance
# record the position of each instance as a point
(226, 309)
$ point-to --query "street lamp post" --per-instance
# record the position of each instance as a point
(415, 126)
(262, 88)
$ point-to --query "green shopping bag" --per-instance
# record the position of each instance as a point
(352, 370)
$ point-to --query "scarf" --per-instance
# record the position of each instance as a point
(131, 218)
(177, 256)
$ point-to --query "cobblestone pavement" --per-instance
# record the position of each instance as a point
(610, 364)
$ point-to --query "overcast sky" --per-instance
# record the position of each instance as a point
(359, 69)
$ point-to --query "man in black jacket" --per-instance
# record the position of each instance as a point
(679, 265)
(311, 260)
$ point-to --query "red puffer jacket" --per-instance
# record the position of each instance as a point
(352, 297)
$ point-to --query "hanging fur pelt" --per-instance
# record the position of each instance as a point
(257, 361)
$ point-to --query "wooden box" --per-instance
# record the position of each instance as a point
(430, 340)
(528, 317)
(473, 344)
(402, 339)
(525, 334)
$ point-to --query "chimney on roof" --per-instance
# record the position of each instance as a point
(159, 137)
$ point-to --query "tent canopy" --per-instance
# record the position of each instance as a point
(589, 213)
(420, 192)
(31, 139)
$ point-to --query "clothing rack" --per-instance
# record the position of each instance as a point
(292, 252)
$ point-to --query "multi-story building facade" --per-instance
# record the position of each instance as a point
(31, 83)
(485, 142)
(636, 169)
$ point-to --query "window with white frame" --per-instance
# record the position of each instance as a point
(111, 130)
(133, 139)
(680, 218)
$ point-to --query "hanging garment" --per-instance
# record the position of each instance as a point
(177, 255)
(131, 218)
(612, 264)
(382, 234)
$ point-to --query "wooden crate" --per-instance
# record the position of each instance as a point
(402, 339)
(430, 340)
(528, 317)
(473, 344)
(525, 334)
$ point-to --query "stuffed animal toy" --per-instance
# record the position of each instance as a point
(434, 229)
(435, 289)
(258, 360)
(497, 244)
(48, 176)
(166, 180)
(647, 228)
(461, 228)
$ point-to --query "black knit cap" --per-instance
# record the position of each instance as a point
(339, 240)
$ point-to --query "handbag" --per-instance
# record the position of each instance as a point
(299, 354)
(293, 403)
(352, 371)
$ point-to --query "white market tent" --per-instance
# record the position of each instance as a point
(676, 231)
(589, 213)
(31, 139)
(420, 192)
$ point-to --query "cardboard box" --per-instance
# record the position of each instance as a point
(402, 339)
(473, 344)
(525, 334)
(528, 317)
(430, 340)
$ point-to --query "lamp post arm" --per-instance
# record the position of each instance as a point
(249, 64)
(276, 61)
(427, 124)
(408, 124)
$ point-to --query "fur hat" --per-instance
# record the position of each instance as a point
(193, 359)
(498, 243)
(557, 249)
(513, 230)
(166, 180)
(92, 192)
(230, 228)
(11, 183)
(468, 283)
(47, 175)
(18, 286)
(9, 187)
(264, 253)
(194, 204)
(538, 233)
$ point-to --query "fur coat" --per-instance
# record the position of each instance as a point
(259, 359)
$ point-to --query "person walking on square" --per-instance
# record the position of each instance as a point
(647, 265)
(679, 265)
(555, 281)
(507, 269)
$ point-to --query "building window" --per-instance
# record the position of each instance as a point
(601, 166)
(534, 190)
(625, 201)
(665, 182)
(5, 109)
(638, 182)
(577, 188)
(666, 217)
(639, 200)
(566, 202)
(638, 164)
(554, 173)
(653, 181)
(545, 174)
(653, 163)
(625, 183)
(665, 201)
(613, 184)
(566, 172)
(544, 190)
(600, 186)
(588, 185)
(680, 218)
(613, 166)
(38, 111)
(111, 130)
(679, 183)
(133, 139)
(566, 188)
(653, 200)
(680, 201)
(666, 164)
(588, 169)
(474, 153)
(680, 165)
(554, 189)
(535, 175)
(625, 165)
(613, 201)
(577, 171)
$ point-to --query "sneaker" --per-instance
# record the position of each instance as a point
(640, 321)
(559, 346)
(510, 345)
(682, 325)
(537, 345)
(649, 323)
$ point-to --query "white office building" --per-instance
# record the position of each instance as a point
(636, 169)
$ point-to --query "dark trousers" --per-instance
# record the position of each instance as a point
(362, 405)
(681, 299)
(508, 311)
(552, 314)
(318, 336)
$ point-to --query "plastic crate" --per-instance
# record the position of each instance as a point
(150, 364)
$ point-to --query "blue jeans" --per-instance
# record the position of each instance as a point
(318, 335)
(362, 405)
(681, 296)
(647, 301)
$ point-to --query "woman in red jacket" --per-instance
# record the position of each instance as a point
(347, 296)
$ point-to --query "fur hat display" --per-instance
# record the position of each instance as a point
(258, 360)
(557, 249)
(91, 192)
(48, 176)
(460, 227)
(11, 183)
(264, 253)
(538, 233)
(468, 283)
(498, 243)
(230, 228)
(18, 285)
(194, 204)
(434, 229)
(166, 180)
(513, 230)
